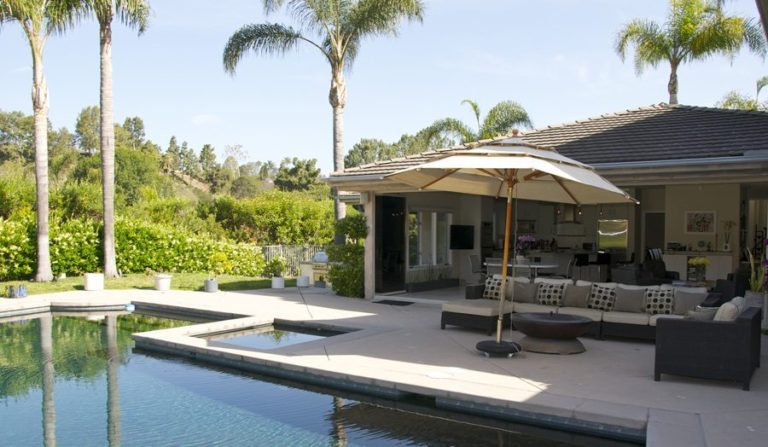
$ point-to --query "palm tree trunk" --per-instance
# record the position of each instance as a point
(107, 149)
(672, 86)
(338, 99)
(49, 381)
(40, 111)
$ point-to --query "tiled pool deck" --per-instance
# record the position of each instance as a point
(401, 349)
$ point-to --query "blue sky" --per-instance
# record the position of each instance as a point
(555, 57)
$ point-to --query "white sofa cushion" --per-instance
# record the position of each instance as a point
(629, 299)
(655, 318)
(727, 312)
(601, 284)
(592, 314)
(627, 318)
(530, 307)
(522, 279)
(685, 289)
(543, 280)
(483, 308)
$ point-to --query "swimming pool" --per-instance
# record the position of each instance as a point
(99, 390)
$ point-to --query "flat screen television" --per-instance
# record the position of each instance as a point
(462, 237)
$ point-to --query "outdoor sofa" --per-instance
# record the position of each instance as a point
(616, 310)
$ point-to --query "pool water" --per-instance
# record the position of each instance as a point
(77, 381)
(270, 336)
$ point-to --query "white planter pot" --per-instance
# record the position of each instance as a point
(302, 281)
(278, 282)
(163, 282)
(211, 285)
(754, 299)
(94, 281)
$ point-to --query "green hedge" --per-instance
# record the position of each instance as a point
(76, 249)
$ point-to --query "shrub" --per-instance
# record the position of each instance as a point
(17, 190)
(347, 272)
(77, 199)
(142, 246)
(275, 267)
(75, 246)
(276, 217)
(17, 252)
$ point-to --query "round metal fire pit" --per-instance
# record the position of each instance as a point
(551, 333)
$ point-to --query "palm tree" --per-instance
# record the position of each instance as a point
(134, 13)
(335, 28)
(39, 19)
(694, 30)
(499, 120)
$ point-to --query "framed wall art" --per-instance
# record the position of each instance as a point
(700, 222)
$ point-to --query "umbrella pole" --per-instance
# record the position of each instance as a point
(504, 260)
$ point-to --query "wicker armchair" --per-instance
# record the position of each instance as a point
(726, 350)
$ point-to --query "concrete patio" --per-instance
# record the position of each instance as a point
(403, 350)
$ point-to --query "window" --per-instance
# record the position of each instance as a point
(612, 234)
(428, 238)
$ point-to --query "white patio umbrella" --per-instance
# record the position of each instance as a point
(512, 167)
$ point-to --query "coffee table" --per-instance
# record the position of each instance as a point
(551, 333)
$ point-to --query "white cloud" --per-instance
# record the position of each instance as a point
(205, 119)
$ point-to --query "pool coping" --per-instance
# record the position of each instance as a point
(186, 342)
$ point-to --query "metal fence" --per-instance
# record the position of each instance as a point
(294, 255)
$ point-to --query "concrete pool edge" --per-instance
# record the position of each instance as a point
(600, 423)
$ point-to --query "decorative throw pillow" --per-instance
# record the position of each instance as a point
(492, 288)
(727, 312)
(686, 301)
(550, 294)
(524, 292)
(629, 300)
(660, 301)
(701, 313)
(602, 298)
(576, 296)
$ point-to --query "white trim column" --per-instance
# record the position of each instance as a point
(369, 257)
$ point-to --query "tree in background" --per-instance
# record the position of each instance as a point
(295, 174)
(17, 136)
(736, 100)
(207, 161)
(189, 161)
(334, 27)
(135, 14)
(135, 128)
(172, 157)
(39, 19)
(368, 150)
(87, 129)
(694, 30)
(499, 121)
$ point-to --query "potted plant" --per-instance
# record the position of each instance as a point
(699, 266)
(728, 226)
(275, 269)
(219, 264)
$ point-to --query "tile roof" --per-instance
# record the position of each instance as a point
(655, 133)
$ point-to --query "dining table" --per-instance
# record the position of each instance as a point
(533, 267)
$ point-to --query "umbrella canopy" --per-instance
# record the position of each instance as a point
(512, 168)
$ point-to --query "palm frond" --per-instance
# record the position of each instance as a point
(475, 109)
(63, 14)
(271, 6)
(762, 82)
(503, 117)
(373, 17)
(134, 13)
(450, 126)
(651, 46)
(263, 38)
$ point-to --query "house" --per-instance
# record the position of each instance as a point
(700, 175)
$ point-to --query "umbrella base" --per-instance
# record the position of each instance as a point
(492, 348)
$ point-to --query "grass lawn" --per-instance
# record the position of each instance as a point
(180, 281)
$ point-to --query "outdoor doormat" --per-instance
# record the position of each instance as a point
(394, 302)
